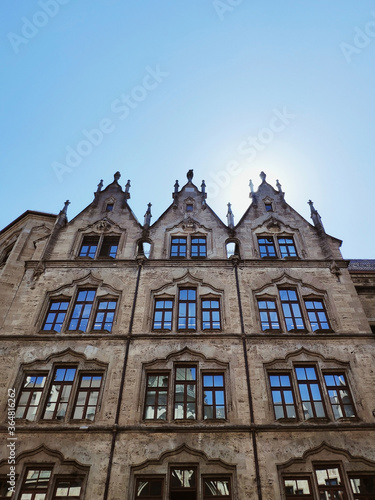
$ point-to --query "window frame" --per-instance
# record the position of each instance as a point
(290, 303)
(268, 311)
(210, 310)
(102, 240)
(214, 389)
(337, 388)
(58, 479)
(88, 392)
(33, 491)
(150, 478)
(284, 405)
(157, 390)
(315, 312)
(201, 254)
(211, 477)
(31, 391)
(266, 254)
(96, 306)
(81, 370)
(330, 487)
(57, 313)
(187, 317)
(81, 317)
(163, 311)
(360, 475)
(179, 245)
(309, 382)
(294, 477)
(287, 254)
(185, 383)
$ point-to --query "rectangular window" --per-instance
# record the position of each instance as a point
(339, 395)
(156, 397)
(317, 315)
(109, 246)
(184, 480)
(269, 316)
(291, 310)
(89, 246)
(178, 247)
(59, 394)
(213, 396)
(363, 487)
(87, 396)
(216, 488)
(298, 488)
(35, 485)
(149, 488)
(68, 489)
(266, 247)
(198, 247)
(185, 399)
(282, 396)
(287, 247)
(330, 484)
(82, 310)
(56, 315)
(163, 314)
(268, 207)
(310, 392)
(211, 315)
(187, 309)
(30, 395)
(105, 315)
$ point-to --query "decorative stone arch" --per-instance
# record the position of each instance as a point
(170, 290)
(187, 228)
(100, 228)
(182, 456)
(47, 366)
(306, 289)
(43, 457)
(323, 366)
(272, 226)
(69, 291)
(327, 455)
(185, 357)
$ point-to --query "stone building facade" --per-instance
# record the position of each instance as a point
(186, 359)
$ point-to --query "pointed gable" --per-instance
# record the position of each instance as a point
(188, 222)
(270, 228)
(108, 220)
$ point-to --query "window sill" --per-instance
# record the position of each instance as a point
(319, 330)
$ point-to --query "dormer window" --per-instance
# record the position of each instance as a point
(189, 207)
(108, 246)
(284, 248)
(178, 247)
(266, 247)
(268, 207)
(109, 207)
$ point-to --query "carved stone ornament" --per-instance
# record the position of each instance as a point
(103, 225)
(274, 225)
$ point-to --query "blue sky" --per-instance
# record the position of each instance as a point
(153, 88)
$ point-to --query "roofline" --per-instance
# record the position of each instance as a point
(25, 214)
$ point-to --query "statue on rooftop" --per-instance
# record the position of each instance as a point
(190, 175)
